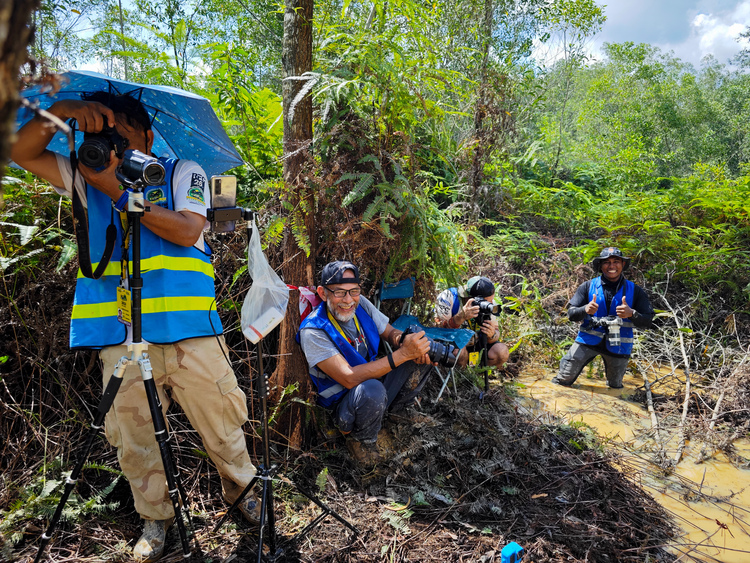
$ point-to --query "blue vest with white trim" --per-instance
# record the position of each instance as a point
(329, 390)
(593, 335)
(178, 299)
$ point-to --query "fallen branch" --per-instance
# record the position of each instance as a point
(681, 331)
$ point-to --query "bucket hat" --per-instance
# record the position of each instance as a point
(608, 253)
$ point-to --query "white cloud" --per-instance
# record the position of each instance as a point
(690, 28)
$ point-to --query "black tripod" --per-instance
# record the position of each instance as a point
(265, 474)
(138, 356)
(483, 365)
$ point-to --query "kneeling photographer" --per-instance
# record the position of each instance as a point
(180, 323)
(340, 339)
(473, 307)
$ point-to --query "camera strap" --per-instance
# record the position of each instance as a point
(81, 226)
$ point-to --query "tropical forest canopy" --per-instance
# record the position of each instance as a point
(453, 130)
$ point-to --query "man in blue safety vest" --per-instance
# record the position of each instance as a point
(180, 322)
(340, 339)
(608, 307)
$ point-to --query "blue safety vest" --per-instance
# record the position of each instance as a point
(329, 390)
(593, 335)
(178, 299)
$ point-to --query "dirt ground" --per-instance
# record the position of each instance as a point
(464, 477)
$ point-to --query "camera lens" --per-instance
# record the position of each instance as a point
(442, 354)
(94, 152)
(154, 173)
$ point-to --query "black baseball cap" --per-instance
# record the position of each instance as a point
(479, 286)
(333, 272)
(608, 253)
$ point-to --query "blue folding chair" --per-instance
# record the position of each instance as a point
(458, 337)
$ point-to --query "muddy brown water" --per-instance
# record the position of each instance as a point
(710, 501)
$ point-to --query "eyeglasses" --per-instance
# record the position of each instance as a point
(341, 293)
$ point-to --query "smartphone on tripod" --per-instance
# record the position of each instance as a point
(223, 196)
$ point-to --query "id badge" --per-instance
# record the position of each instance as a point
(474, 358)
(123, 306)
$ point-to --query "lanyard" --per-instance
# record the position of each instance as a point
(124, 249)
(360, 332)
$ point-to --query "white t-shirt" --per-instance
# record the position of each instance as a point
(188, 177)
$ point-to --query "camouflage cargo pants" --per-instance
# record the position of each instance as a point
(204, 385)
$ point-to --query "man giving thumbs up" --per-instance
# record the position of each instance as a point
(614, 297)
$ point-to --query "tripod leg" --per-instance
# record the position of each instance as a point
(105, 404)
(162, 439)
(266, 511)
(237, 502)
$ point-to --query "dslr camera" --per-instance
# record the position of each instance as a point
(612, 324)
(445, 355)
(95, 148)
(486, 308)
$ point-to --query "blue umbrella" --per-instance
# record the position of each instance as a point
(184, 124)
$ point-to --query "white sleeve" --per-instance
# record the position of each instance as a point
(190, 186)
(63, 166)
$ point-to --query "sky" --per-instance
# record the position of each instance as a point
(689, 28)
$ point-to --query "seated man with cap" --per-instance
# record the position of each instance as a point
(456, 308)
(340, 339)
(612, 296)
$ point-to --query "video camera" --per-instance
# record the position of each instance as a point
(445, 355)
(612, 324)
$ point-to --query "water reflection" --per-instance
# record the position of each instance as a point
(710, 501)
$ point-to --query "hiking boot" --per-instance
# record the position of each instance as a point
(366, 454)
(250, 508)
(557, 381)
(150, 545)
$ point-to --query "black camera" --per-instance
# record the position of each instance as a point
(445, 355)
(139, 167)
(95, 148)
(486, 308)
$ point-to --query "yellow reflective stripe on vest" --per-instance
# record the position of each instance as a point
(161, 262)
(154, 305)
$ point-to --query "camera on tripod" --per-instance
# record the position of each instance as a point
(486, 308)
(139, 167)
(445, 355)
(612, 324)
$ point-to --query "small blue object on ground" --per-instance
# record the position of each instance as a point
(511, 553)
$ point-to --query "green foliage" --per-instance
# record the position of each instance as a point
(27, 229)
(431, 242)
(321, 480)
(40, 497)
(398, 520)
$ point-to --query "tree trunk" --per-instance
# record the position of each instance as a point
(480, 150)
(15, 35)
(298, 268)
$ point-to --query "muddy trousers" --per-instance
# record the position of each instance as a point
(361, 410)
(578, 358)
(204, 385)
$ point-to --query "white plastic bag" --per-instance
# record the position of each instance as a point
(266, 300)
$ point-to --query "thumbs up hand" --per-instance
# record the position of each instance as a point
(624, 311)
(591, 307)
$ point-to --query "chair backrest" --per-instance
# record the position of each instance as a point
(403, 289)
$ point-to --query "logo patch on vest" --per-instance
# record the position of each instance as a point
(197, 186)
(156, 196)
